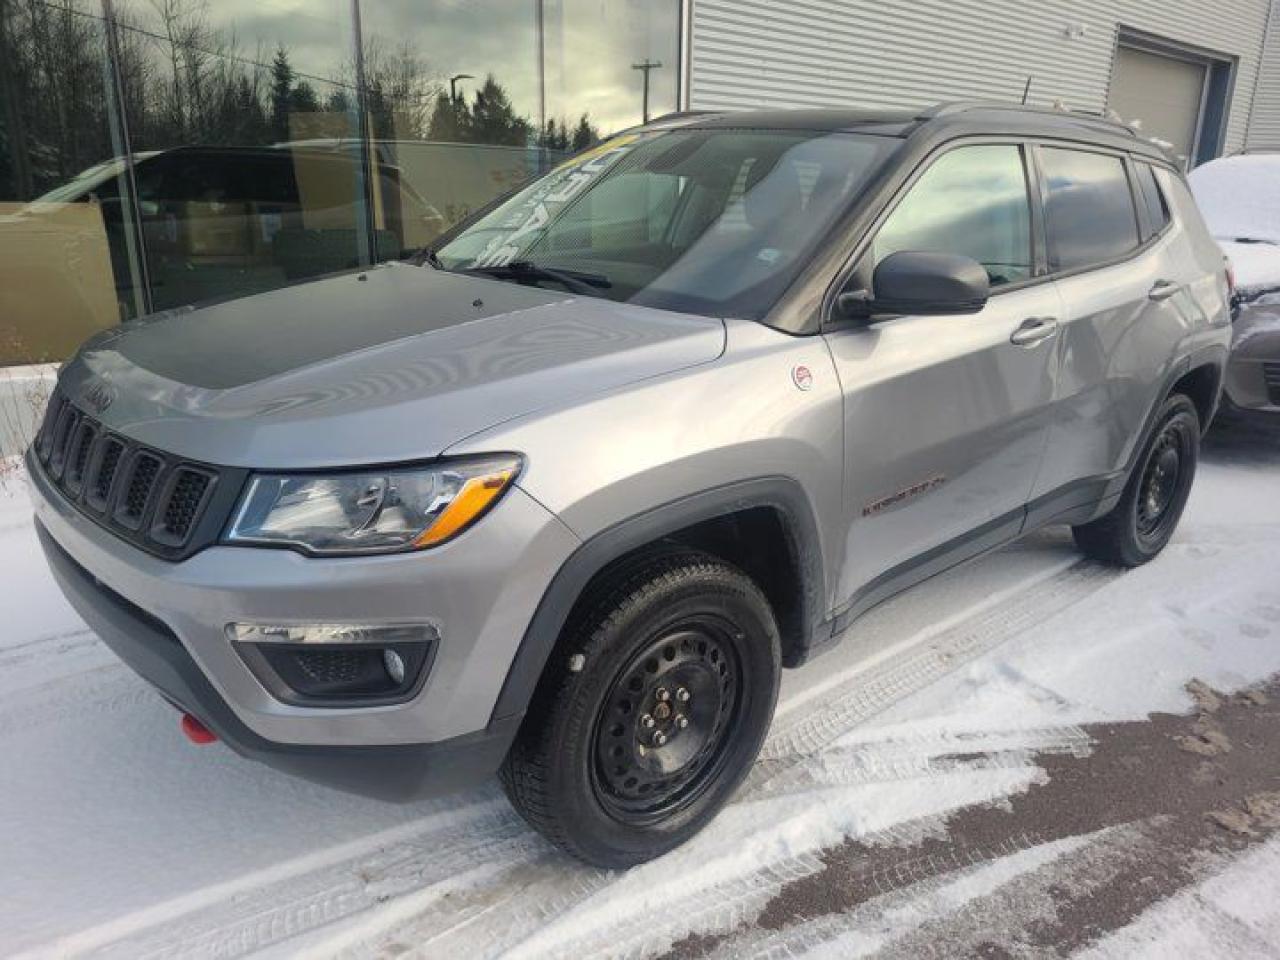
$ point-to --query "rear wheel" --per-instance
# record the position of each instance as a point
(1143, 521)
(651, 712)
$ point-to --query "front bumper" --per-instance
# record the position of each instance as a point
(389, 772)
(1252, 380)
(480, 589)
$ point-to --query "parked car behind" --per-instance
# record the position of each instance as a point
(1240, 198)
(215, 222)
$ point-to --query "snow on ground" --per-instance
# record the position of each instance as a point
(121, 839)
(1235, 913)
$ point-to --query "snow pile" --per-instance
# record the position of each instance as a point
(1240, 199)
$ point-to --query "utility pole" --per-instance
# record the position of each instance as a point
(645, 66)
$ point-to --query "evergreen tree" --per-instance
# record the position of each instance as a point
(584, 135)
(303, 99)
(338, 102)
(281, 88)
(494, 119)
(450, 120)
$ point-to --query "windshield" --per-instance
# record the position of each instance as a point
(704, 221)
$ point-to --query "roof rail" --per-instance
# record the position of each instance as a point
(684, 114)
(1084, 118)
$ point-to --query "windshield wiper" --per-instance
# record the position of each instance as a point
(574, 280)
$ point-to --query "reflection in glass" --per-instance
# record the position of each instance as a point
(972, 202)
(159, 153)
(58, 247)
(1089, 212)
(243, 122)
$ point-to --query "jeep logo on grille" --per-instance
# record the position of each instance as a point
(98, 396)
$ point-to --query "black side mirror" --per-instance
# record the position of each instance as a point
(909, 282)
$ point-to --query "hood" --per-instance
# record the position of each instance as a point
(1256, 266)
(396, 363)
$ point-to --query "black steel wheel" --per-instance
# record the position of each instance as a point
(1144, 518)
(662, 734)
(651, 712)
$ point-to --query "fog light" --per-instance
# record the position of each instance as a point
(395, 666)
(330, 664)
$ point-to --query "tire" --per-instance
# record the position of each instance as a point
(1143, 520)
(603, 767)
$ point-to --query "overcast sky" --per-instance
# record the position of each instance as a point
(590, 45)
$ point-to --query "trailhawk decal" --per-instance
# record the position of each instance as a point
(915, 490)
(565, 182)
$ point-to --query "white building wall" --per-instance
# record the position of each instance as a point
(1264, 125)
(891, 53)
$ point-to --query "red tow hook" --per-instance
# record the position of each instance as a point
(196, 731)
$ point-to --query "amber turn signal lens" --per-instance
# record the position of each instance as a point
(475, 497)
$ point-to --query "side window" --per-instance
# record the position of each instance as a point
(1089, 211)
(972, 202)
(1152, 200)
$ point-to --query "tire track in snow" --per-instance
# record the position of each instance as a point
(926, 890)
(244, 914)
(883, 684)
(104, 688)
(435, 887)
(790, 762)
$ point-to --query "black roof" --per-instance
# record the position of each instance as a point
(946, 119)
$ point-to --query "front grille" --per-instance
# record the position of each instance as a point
(167, 506)
(1271, 376)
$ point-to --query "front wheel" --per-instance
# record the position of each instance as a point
(1143, 521)
(650, 713)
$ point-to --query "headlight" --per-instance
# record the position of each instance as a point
(370, 511)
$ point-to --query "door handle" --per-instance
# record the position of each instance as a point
(1162, 290)
(1033, 330)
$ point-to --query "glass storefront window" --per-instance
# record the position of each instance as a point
(243, 122)
(62, 226)
(156, 154)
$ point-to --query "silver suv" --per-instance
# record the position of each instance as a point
(560, 497)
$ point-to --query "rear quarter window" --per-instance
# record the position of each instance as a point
(1089, 213)
(1153, 202)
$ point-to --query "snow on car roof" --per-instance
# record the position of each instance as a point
(1240, 199)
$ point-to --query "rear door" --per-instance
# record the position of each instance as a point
(946, 417)
(1113, 252)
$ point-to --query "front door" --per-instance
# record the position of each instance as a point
(947, 417)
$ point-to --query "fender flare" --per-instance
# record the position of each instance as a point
(780, 493)
(1212, 356)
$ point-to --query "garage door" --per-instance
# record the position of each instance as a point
(1163, 92)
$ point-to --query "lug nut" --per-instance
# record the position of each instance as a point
(662, 695)
(682, 695)
(659, 738)
(646, 721)
(682, 721)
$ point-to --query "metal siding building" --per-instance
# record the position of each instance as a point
(789, 53)
(1264, 128)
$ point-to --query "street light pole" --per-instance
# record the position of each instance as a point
(645, 66)
(453, 88)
